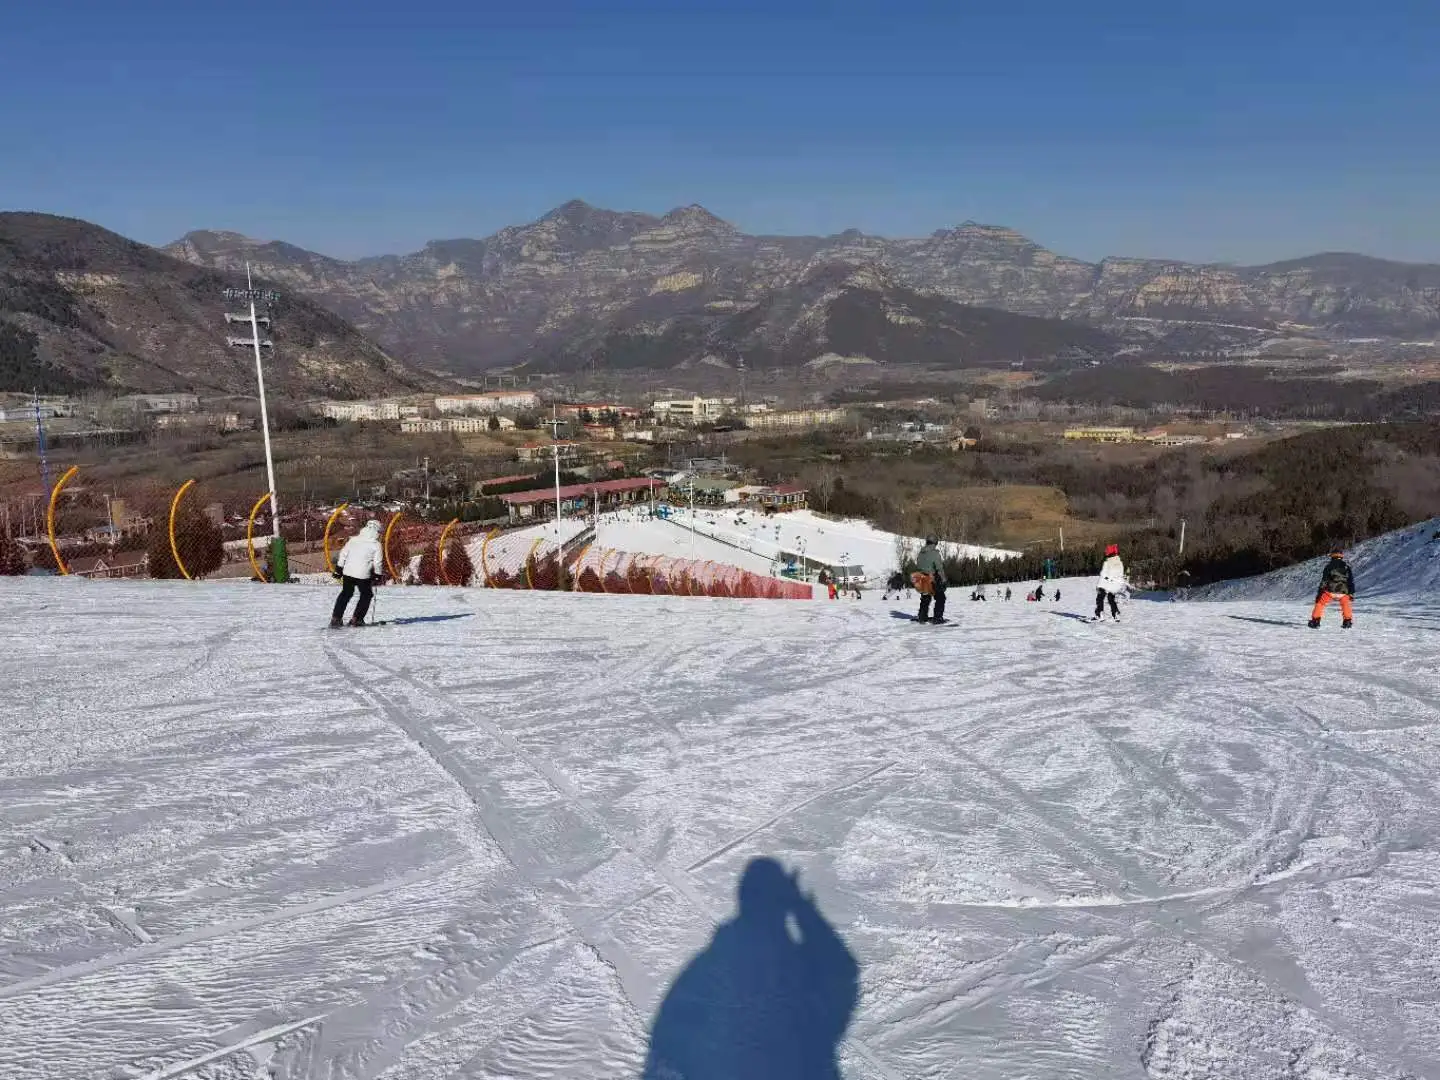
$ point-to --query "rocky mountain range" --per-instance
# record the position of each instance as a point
(584, 285)
(82, 307)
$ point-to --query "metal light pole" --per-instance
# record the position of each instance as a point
(40, 443)
(1182, 538)
(692, 519)
(554, 424)
(279, 563)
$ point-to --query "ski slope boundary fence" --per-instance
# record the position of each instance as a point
(78, 530)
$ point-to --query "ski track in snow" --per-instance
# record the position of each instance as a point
(233, 845)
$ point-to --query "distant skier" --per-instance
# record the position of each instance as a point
(896, 583)
(1337, 582)
(1007, 592)
(931, 563)
(827, 579)
(1039, 592)
(1112, 582)
(360, 560)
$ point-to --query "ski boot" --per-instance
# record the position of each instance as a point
(1347, 624)
(356, 622)
(336, 624)
(1314, 624)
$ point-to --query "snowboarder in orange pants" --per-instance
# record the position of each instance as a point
(1337, 582)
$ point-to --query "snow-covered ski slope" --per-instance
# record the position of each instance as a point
(638, 532)
(503, 837)
(836, 541)
(1395, 567)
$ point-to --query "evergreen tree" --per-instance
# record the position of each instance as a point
(198, 539)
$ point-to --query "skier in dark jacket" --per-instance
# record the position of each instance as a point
(930, 562)
(1337, 582)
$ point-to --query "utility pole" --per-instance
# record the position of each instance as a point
(1062, 541)
(1182, 538)
(691, 490)
(40, 442)
(427, 486)
(279, 561)
(554, 425)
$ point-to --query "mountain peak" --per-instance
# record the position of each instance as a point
(569, 211)
(696, 217)
(214, 237)
(979, 231)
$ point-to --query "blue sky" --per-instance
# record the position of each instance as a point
(1217, 130)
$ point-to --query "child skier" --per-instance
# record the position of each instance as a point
(361, 559)
(1337, 582)
(1112, 581)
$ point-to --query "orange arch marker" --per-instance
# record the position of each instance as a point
(50, 517)
(330, 524)
(250, 535)
(388, 529)
(440, 550)
(174, 507)
(529, 581)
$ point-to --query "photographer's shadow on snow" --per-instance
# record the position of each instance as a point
(768, 999)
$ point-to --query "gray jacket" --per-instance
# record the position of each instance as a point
(931, 562)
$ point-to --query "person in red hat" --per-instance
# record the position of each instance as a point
(1337, 582)
(1112, 582)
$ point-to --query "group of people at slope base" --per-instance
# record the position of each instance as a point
(1337, 582)
(833, 589)
(929, 578)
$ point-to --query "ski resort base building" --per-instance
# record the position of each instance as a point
(602, 495)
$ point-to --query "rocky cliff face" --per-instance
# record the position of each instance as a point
(833, 313)
(529, 293)
(83, 307)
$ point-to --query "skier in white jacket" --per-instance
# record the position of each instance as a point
(1112, 581)
(361, 559)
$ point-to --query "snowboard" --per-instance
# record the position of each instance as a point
(905, 616)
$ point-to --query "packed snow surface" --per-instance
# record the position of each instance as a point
(504, 837)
